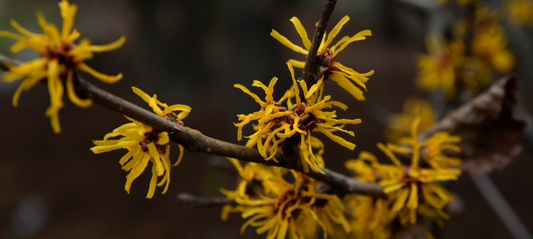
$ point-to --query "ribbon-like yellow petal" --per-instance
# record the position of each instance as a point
(108, 47)
(68, 11)
(288, 43)
(301, 31)
(336, 30)
(83, 103)
(104, 78)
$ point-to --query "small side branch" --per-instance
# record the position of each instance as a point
(6, 61)
(203, 202)
(347, 184)
(312, 63)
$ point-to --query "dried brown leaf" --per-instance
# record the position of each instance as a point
(490, 135)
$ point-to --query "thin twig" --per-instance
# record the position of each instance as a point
(6, 61)
(312, 63)
(203, 202)
(346, 184)
(196, 142)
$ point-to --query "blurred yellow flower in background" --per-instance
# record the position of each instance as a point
(486, 47)
(437, 69)
(399, 124)
(520, 12)
(405, 183)
(489, 48)
(407, 186)
(145, 144)
(60, 57)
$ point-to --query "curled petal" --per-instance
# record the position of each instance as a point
(34, 46)
(83, 103)
(108, 47)
(154, 153)
(301, 31)
(138, 168)
(153, 183)
(68, 11)
(21, 29)
(256, 98)
(288, 43)
(102, 77)
(27, 84)
(336, 30)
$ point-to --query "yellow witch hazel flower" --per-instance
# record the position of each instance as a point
(280, 208)
(437, 69)
(405, 183)
(336, 71)
(489, 46)
(254, 172)
(145, 144)
(269, 118)
(413, 107)
(276, 123)
(60, 57)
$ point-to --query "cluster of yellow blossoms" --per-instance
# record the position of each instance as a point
(295, 209)
(277, 201)
(478, 45)
(400, 124)
(60, 58)
(277, 123)
(280, 208)
(520, 12)
(412, 188)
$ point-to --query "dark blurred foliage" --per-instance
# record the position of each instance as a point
(192, 52)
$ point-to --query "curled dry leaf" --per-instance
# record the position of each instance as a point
(490, 135)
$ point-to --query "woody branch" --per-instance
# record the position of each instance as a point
(196, 142)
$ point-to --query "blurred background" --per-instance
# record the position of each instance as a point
(192, 52)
